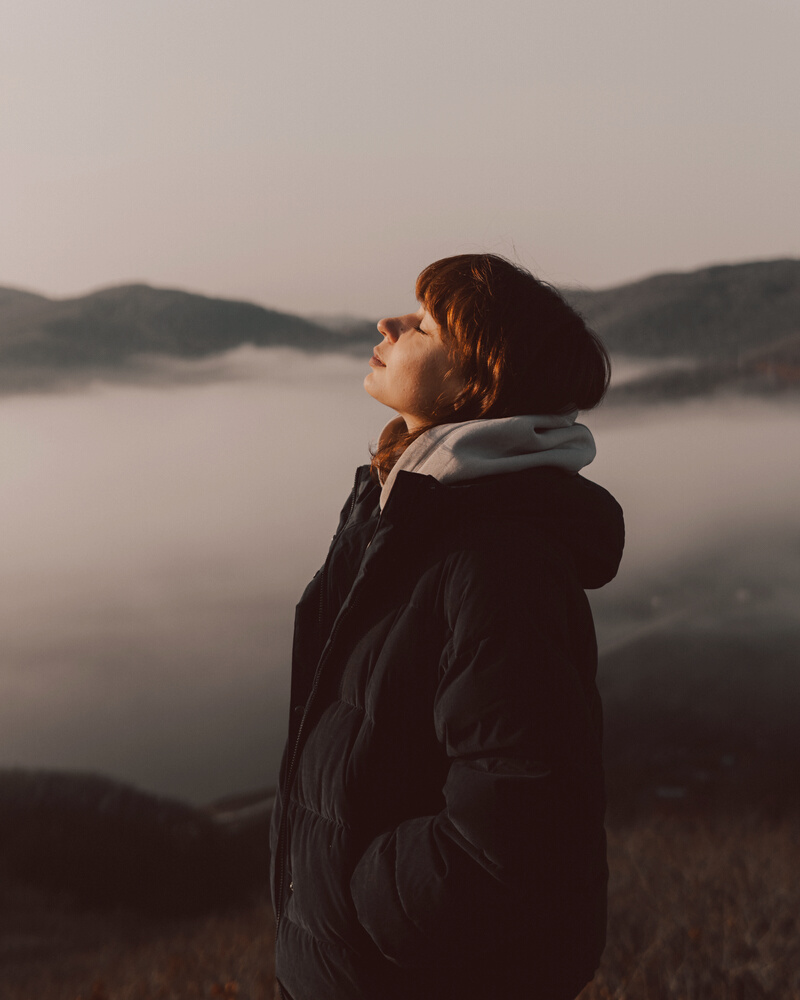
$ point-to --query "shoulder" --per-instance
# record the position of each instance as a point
(528, 540)
(506, 520)
(498, 573)
(543, 519)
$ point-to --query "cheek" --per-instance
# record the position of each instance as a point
(413, 383)
(429, 380)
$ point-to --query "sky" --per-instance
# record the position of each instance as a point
(313, 157)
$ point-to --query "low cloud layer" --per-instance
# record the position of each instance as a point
(156, 540)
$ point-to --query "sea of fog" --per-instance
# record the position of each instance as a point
(157, 534)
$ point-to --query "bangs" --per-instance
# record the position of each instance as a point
(450, 288)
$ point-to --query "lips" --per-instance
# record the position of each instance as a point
(376, 362)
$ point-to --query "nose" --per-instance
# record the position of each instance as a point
(389, 328)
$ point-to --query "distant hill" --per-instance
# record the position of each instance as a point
(15, 304)
(714, 313)
(105, 329)
(109, 844)
(727, 315)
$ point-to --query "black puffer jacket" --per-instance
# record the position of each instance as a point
(439, 825)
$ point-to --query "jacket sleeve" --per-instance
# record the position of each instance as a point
(523, 799)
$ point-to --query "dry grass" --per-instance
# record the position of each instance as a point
(698, 911)
(702, 912)
(226, 955)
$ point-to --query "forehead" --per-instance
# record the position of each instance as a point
(426, 317)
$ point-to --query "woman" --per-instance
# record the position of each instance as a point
(439, 825)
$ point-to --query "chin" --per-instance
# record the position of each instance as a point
(371, 388)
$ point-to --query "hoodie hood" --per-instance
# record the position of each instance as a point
(514, 473)
(475, 449)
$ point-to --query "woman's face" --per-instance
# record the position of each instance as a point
(411, 369)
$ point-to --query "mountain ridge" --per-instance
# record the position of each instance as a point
(714, 312)
(111, 324)
(715, 315)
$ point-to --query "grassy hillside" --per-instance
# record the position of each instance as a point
(702, 910)
(109, 844)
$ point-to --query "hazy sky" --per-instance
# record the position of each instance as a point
(314, 156)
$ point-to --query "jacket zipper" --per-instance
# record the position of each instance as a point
(279, 847)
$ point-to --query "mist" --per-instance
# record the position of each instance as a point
(692, 476)
(155, 542)
(157, 536)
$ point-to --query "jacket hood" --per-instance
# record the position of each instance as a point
(475, 449)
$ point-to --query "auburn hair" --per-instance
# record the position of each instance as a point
(514, 342)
